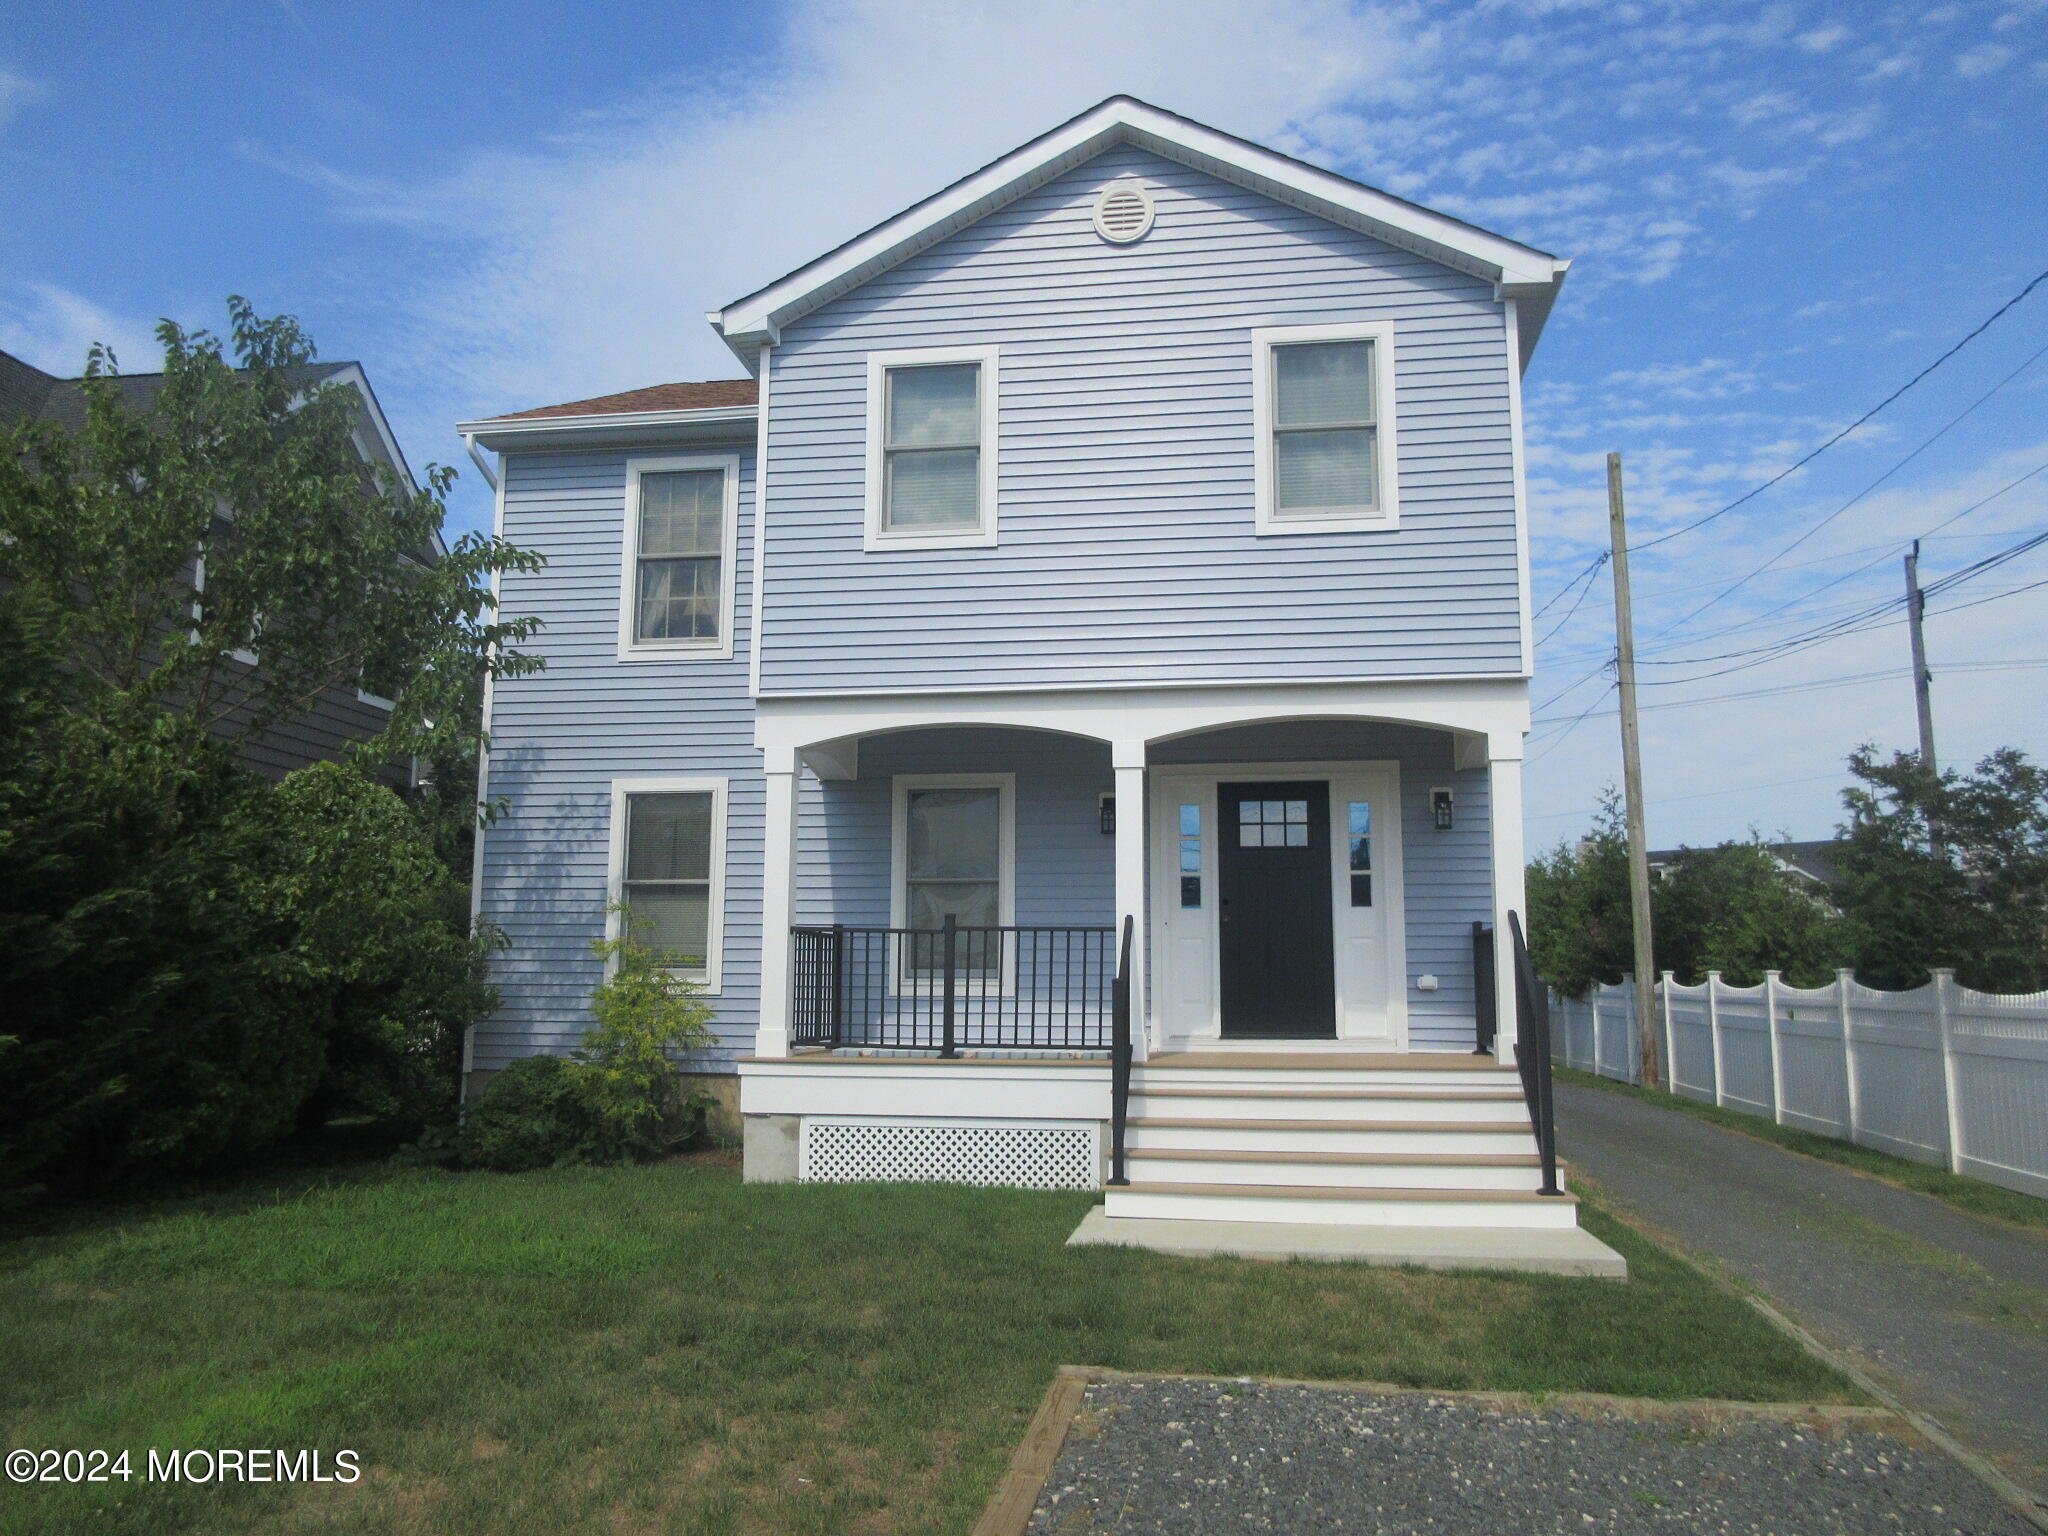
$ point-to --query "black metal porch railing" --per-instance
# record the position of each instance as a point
(1532, 1054)
(1120, 1059)
(1485, 993)
(952, 988)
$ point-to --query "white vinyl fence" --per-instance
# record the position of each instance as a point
(1940, 1074)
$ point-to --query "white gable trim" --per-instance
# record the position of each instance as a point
(1516, 270)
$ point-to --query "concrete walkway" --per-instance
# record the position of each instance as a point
(1948, 1311)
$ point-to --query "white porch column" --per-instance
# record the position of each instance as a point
(1128, 759)
(1504, 821)
(778, 876)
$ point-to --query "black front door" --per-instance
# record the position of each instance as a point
(1273, 888)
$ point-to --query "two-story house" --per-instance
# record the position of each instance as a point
(1129, 536)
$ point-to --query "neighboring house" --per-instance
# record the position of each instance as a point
(1133, 530)
(1813, 862)
(342, 716)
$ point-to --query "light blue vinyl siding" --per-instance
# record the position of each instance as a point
(561, 737)
(1066, 867)
(1127, 552)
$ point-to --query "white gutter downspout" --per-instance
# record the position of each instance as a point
(482, 466)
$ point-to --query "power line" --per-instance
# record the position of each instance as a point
(1846, 680)
(1590, 571)
(1591, 566)
(1926, 443)
(1558, 740)
(1800, 463)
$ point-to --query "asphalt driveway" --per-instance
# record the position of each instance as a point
(1948, 1311)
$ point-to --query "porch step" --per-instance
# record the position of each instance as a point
(1234, 1134)
(1353, 1170)
(1356, 1071)
(1341, 1206)
(1330, 1104)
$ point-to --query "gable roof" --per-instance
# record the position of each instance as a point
(1517, 271)
(703, 394)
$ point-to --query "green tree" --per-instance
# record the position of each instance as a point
(194, 959)
(1579, 915)
(1735, 909)
(1983, 907)
(309, 555)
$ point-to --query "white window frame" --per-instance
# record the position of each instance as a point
(879, 364)
(899, 839)
(632, 648)
(1387, 515)
(712, 974)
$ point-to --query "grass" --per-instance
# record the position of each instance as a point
(1973, 1195)
(666, 1348)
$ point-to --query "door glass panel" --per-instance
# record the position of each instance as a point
(1272, 824)
(1191, 856)
(1358, 826)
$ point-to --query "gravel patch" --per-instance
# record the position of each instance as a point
(1213, 1457)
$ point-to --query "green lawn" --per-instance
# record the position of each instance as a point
(665, 1348)
(1972, 1195)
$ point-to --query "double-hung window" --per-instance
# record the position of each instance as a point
(1323, 413)
(931, 448)
(676, 597)
(955, 857)
(668, 841)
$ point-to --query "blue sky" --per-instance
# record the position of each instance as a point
(1779, 213)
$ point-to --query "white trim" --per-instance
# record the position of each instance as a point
(615, 870)
(1005, 784)
(503, 434)
(1495, 709)
(1386, 515)
(977, 690)
(876, 537)
(483, 776)
(375, 700)
(758, 316)
(757, 597)
(1517, 457)
(720, 649)
(1375, 780)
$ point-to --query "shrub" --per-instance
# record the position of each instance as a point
(618, 1097)
(534, 1114)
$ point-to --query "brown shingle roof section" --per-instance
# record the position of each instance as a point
(707, 394)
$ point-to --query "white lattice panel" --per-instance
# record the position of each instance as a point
(1022, 1154)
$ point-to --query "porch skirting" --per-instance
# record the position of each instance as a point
(1021, 1122)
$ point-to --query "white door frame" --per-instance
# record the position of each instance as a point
(1187, 1009)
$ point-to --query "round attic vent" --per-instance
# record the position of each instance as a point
(1123, 212)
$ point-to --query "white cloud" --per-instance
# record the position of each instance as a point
(53, 328)
(1985, 59)
(595, 272)
(1821, 39)
(15, 91)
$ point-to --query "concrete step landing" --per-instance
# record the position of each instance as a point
(1531, 1250)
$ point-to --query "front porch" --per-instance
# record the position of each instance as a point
(1239, 977)
(1308, 884)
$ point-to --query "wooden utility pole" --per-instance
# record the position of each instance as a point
(1632, 784)
(1923, 702)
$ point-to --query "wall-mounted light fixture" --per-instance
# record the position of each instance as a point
(1109, 815)
(1440, 810)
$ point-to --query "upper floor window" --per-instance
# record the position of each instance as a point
(677, 593)
(931, 448)
(1323, 411)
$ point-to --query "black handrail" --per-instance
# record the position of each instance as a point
(1120, 1058)
(1532, 1054)
(1485, 999)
